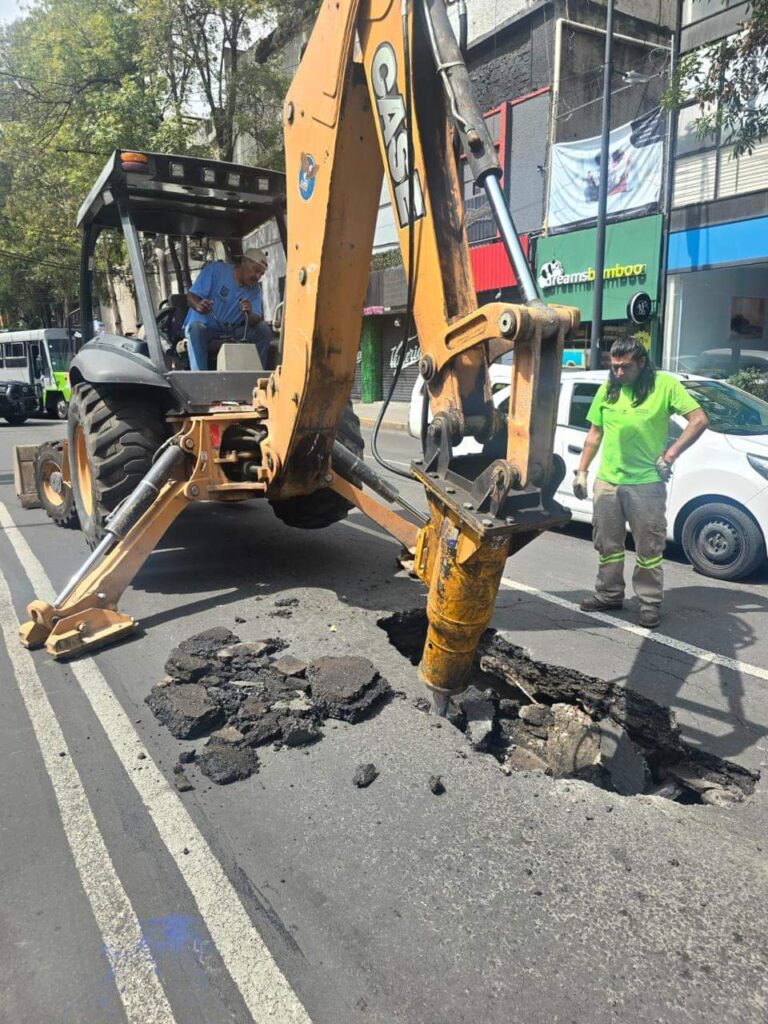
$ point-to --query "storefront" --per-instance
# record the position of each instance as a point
(565, 265)
(717, 299)
(382, 332)
(381, 342)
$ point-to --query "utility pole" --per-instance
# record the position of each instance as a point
(602, 200)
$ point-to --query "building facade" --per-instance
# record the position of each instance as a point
(717, 289)
(537, 72)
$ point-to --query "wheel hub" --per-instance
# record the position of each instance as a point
(53, 483)
(719, 541)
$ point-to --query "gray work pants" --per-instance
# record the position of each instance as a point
(643, 506)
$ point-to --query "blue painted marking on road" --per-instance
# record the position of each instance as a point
(174, 933)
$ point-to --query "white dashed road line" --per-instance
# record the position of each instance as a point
(712, 657)
(264, 988)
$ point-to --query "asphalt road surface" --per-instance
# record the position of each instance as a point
(294, 896)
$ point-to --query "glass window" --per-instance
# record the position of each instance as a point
(14, 353)
(60, 354)
(581, 399)
(730, 410)
(719, 321)
(688, 139)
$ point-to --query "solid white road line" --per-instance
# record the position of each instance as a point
(712, 657)
(722, 660)
(133, 968)
(263, 986)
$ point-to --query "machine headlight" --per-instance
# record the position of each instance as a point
(759, 463)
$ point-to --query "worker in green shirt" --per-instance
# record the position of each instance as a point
(629, 417)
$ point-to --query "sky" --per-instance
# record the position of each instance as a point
(9, 9)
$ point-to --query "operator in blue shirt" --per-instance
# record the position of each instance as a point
(225, 301)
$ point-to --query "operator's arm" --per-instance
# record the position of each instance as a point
(591, 447)
(697, 424)
(199, 299)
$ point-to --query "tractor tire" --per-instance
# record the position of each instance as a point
(54, 491)
(113, 435)
(323, 507)
(15, 419)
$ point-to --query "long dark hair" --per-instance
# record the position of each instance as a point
(645, 383)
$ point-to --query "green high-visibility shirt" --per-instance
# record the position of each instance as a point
(635, 436)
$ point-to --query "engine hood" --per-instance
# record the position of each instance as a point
(755, 444)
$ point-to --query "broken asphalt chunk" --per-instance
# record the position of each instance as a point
(364, 775)
(347, 688)
(186, 668)
(479, 707)
(224, 763)
(290, 666)
(186, 709)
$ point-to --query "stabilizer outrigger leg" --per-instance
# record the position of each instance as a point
(84, 615)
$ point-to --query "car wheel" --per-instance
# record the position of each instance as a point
(15, 419)
(722, 541)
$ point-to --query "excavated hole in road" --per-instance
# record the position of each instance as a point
(533, 716)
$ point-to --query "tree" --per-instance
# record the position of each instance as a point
(728, 81)
(81, 78)
(70, 78)
(209, 65)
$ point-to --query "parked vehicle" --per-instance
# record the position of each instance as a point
(722, 362)
(717, 504)
(41, 359)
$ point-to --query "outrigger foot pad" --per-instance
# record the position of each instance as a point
(73, 634)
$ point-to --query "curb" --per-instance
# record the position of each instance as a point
(370, 422)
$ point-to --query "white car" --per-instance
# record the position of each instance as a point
(717, 499)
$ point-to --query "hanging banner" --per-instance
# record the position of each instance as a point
(635, 155)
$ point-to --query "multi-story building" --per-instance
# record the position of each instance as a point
(537, 71)
(717, 290)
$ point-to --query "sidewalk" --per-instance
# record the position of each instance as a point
(395, 418)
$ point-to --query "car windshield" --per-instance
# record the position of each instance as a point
(60, 354)
(730, 410)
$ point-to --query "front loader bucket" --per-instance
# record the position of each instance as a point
(24, 475)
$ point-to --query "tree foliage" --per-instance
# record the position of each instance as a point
(728, 81)
(81, 78)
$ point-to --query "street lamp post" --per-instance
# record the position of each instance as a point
(602, 200)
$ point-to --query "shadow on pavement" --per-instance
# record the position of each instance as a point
(243, 552)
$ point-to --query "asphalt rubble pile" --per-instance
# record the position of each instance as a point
(242, 695)
(532, 716)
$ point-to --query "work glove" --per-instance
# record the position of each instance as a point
(580, 485)
(663, 468)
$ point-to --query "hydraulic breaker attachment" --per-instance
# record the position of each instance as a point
(461, 555)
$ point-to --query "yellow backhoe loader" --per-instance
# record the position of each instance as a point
(381, 88)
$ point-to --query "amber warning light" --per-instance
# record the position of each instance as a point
(134, 162)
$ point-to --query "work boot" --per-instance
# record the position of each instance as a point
(596, 604)
(650, 616)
